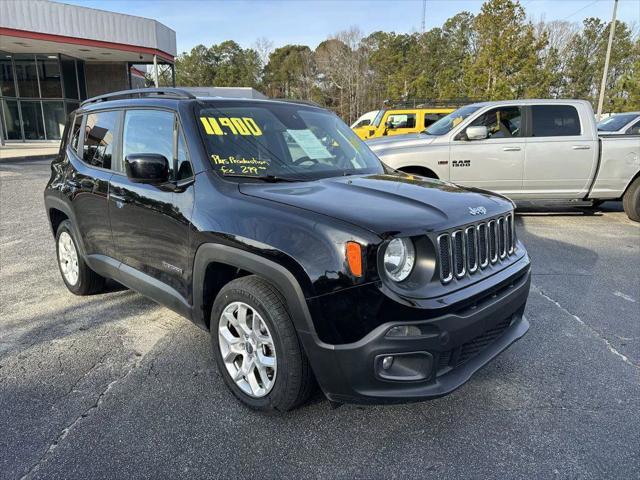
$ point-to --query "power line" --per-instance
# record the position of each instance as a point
(579, 10)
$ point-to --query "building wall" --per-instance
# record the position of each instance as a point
(81, 22)
(105, 78)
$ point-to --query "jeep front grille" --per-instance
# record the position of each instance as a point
(444, 247)
(466, 251)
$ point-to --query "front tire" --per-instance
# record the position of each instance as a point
(631, 201)
(256, 347)
(76, 274)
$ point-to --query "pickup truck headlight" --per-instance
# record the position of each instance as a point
(399, 258)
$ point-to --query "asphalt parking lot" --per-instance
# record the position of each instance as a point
(114, 386)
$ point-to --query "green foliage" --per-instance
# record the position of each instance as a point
(507, 60)
(289, 72)
(223, 65)
(498, 54)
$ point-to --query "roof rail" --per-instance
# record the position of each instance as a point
(139, 93)
(301, 102)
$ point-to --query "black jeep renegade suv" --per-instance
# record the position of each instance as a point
(274, 227)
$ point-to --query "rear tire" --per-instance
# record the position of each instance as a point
(76, 274)
(631, 201)
(264, 354)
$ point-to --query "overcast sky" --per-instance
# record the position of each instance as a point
(309, 22)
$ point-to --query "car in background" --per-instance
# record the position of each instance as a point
(627, 123)
(364, 120)
(400, 121)
(529, 150)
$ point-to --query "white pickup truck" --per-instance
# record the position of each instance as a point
(534, 150)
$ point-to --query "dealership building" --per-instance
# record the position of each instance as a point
(53, 56)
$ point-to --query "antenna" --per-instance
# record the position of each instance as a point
(424, 14)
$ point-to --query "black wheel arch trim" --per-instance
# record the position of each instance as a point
(276, 274)
(52, 202)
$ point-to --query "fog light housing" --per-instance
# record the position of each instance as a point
(406, 366)
(404, 331)
(387, 362)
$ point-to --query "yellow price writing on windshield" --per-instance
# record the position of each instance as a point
(233, 125)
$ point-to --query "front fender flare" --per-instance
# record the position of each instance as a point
(276, 274)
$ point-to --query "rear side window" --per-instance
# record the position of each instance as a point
(99, 136)
(431, 118)
(402, 120)
(554, 121)
(634, 129)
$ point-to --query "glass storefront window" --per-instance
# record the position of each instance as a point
(54, 119)
(7, 86)
(37, 92)
(26, 74)
(49, 72)
(69, 77)
(11, 119)
(32, 120)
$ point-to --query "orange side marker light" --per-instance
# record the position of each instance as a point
(354, 258)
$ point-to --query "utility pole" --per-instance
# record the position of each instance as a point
(603, 85)
(424, 15)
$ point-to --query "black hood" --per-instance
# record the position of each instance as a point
(393, 203)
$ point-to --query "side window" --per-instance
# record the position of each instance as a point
(502, 122)
(74, 135)
(431, 118)
(183, 164)
(554, 121)
(634, 129)
(148, 131)
(402, 120)
(98, 144)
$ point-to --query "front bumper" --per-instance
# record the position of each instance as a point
(452, 346)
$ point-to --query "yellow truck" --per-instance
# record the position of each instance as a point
(399, 121)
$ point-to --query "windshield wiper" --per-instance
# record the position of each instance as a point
(264, 178)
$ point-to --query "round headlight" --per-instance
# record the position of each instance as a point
(399, 258)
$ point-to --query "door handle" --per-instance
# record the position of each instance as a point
(511, 149)
(581, 147)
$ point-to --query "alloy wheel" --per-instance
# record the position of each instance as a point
(247, 349)
(68, 258)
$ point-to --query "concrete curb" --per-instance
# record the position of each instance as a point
(30, 158)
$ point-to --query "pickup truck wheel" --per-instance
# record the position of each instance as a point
(631, 201)
(256, 346)
(77, 276)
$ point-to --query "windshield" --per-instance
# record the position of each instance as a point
(446, 124)
(289, 141)
(615, 122)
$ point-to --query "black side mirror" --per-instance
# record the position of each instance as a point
(150, 168)
(389, 125)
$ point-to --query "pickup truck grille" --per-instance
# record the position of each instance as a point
(466, 251)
